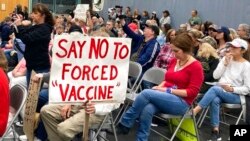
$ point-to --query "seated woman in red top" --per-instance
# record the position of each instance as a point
(4, 93)
(173, 96)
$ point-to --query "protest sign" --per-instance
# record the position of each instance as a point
(98, 5)
(89, 69)
(80, 11)
(30, 108)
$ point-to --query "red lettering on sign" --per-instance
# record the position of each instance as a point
(100, 49)
(81, 45)
(63, 48)
(63, 92)
(64, 70)
(113, 72)
(123, 52)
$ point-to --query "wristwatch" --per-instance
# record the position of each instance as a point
(169, 90)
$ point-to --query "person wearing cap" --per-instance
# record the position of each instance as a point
(223, 36)
(210, 40)
(112, 14)
(154, 17)
(205, 26)
(133, 26)
(234, 84)
(165, 19)
(144, 47)
(195, 19)
(212, 30)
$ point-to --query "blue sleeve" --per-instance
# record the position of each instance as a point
(151, 52)
(131, 34)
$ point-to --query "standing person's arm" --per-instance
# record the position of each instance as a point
(129, 32)
(28, 35)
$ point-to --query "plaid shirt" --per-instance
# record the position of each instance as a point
(164, 57)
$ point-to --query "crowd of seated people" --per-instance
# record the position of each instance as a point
(204, 52)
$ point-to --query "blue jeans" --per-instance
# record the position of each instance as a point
(42, 100)
(148, 103)
(214, 97)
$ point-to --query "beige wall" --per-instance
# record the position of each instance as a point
(9, 6)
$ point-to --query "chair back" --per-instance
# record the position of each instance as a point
(154, 75)
(135, 70)
(18, 95)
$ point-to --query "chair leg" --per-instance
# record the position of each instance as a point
(113, 127)
(177, 128)
(238, 120)
(196, 128)
(203, 117)
(99, 129)
(119, 113)
(124, 110)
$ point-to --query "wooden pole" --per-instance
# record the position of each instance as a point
(86, 127)
(85, 134)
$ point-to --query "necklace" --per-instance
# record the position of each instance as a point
(180, 65)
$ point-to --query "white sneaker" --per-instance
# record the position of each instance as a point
(24, 138)
(154, 125)
(37, 139)
(19, 124)
(103, 134)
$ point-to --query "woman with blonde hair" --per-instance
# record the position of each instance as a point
(233, 33)
(195, 34)
(209, 59)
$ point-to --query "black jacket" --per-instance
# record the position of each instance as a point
(36, 38)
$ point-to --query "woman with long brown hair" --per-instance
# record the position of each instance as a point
(36, 38)
(173, 96)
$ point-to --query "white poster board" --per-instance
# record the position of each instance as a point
(80, 11)
(89, 68)
(98, 5)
